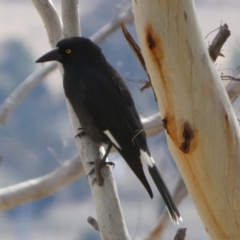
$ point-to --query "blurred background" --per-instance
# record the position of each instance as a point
(38, 138)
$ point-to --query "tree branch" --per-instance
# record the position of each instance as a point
(30, 190)
(126, 17)
(70, 18)
(51, 20)
(23, 90)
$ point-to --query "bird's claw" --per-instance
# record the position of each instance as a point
(80, 134)
(97, 169)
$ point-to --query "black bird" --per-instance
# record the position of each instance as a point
(105, 108)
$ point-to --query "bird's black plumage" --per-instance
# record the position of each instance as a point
(105, 108)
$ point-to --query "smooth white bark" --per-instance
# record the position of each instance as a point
(70, 18)
(201, 127)
(51, 20)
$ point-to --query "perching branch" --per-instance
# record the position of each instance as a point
(105, 197)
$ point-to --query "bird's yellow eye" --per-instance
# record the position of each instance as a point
(68, 51)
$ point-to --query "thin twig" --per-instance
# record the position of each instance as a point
(30, 190)
(137, 51)
(227, 77)
(126, 17)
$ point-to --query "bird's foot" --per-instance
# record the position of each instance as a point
(99, 163)
(81, 133)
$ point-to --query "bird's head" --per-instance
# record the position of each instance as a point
(72, 50)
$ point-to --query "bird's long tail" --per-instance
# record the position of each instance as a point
(171, 207)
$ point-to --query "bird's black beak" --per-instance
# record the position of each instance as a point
(52, 55)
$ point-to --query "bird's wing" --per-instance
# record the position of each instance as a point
(109, 100)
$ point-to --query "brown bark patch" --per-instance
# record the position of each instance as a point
(187, 136)
(165, 122)
(150, 41)
(156, 51)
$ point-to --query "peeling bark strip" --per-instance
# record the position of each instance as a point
(134, 46)
(187, 136)
(137, 51)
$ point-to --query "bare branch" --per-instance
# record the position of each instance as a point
(70, 18)
(126, 17)
(15, 195)
(51, 20)
(105, 197)
(23, 90)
